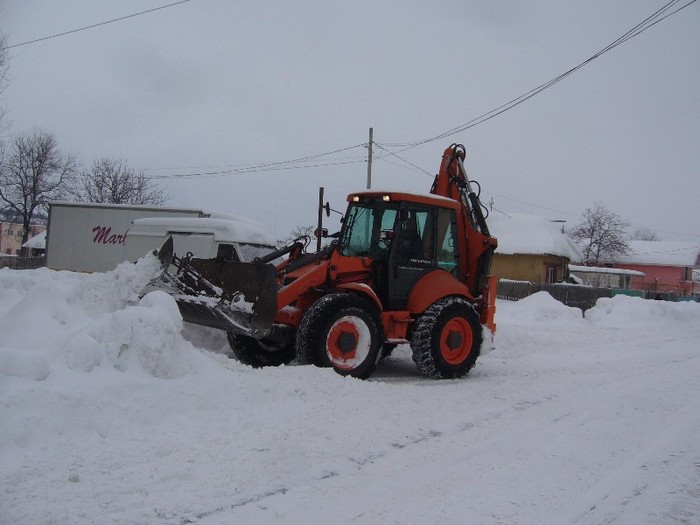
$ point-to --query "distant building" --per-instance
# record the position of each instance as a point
(11, 231)
(531, 248)
(36, 245)
(604, 277)
(11, 236)
(668, 266)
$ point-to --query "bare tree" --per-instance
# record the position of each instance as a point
(113, 181)
(601, 234)
(32, 173)
(645, 234)
(301, 231)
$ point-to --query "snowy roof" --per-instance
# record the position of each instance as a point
(519, 233)
(38, 242)
(598, 269)
(662, 253)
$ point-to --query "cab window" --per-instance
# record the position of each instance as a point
(448, 252)
(417, 237)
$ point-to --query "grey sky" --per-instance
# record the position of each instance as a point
(210, 86)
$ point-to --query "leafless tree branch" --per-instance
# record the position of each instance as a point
(33, 172)
(601, 234)
(112, 181)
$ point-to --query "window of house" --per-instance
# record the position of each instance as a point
(551, 273)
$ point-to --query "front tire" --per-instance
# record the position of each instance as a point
(447, 339)
(341, 330)
(257, 354)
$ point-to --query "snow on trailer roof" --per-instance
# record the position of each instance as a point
(108, 205)
(663, 253)
(522, 234)
(225, 228)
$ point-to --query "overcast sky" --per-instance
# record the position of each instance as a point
(213, 86)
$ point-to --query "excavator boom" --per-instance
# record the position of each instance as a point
(452, 182)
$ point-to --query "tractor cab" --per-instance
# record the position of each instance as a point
(406, 236)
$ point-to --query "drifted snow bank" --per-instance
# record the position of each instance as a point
(633, 312)
(620, 311)
(540, 309)
(65, 320)
(109, 415)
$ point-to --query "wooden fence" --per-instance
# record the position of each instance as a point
(583, 297)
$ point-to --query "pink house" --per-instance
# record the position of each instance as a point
(667, 265)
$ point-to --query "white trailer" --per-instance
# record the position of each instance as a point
(218, 235)
(90, 237)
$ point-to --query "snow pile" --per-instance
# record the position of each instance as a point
(109, 415)
(624, 311)
(63, 319)
(540, 309)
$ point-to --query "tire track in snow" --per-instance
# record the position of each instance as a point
(527, 407)
(646, 472)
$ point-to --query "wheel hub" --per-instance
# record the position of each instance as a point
(347, 341)
(454, 340)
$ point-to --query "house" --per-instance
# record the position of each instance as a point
(11, 236)
(604, 277)
(36, 245)
(531, 248)
(668, 266)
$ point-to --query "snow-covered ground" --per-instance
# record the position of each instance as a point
(109, 415)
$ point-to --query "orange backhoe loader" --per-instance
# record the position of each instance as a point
(404, 268)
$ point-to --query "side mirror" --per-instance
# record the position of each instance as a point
(327, 207)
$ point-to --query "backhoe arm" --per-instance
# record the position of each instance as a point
(452, 182)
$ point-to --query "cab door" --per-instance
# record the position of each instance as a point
(413, 254)
(425, 240)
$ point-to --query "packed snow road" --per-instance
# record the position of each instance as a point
(109, 415)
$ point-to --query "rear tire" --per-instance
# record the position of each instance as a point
(257, 354)
(341, 330)
(447, 339)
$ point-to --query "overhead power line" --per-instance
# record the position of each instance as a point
(96, 25)
(658, 16)
(391, 153)
(300, 162)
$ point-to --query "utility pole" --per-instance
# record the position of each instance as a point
(320, 219)
(369, 159)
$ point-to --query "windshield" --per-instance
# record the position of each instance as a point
(368, 230)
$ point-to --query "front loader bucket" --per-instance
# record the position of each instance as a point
(220, 293)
